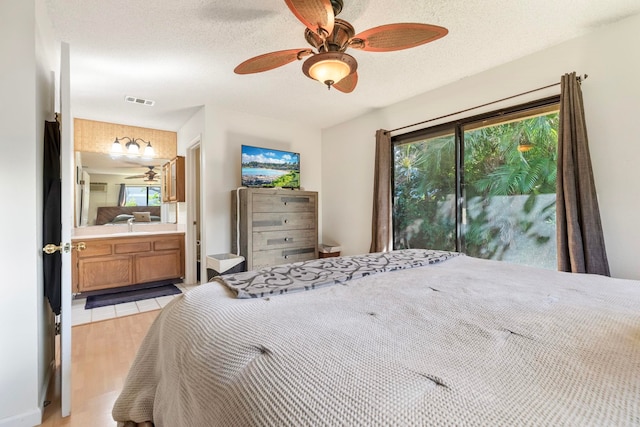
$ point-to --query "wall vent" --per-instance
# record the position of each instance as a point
(134, 100)
(100, 187)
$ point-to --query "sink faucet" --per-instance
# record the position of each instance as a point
(130, 224)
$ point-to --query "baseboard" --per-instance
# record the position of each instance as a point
(27, 419)
(33, 417)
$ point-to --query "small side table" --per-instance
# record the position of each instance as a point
(328, 254)
(328, 250)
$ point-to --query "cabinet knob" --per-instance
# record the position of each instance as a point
(286, 221)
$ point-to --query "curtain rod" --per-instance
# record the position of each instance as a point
(579, 78)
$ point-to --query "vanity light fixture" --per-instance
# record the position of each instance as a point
(132, 148)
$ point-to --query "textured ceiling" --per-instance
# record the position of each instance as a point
(181, 53)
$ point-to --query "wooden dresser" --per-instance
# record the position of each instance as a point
(112, 262)
(276, 226)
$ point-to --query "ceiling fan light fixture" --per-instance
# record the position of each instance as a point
(329, 67)
(331, 37)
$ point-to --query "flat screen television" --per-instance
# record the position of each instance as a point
(266, 167)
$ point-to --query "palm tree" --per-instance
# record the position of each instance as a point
(507, 169)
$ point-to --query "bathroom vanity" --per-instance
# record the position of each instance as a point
(123, 259)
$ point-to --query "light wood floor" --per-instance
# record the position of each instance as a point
(102, 353)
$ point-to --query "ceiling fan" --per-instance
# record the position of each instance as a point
(150, 175)
(330, 37)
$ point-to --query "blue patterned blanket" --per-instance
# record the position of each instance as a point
(307, 275)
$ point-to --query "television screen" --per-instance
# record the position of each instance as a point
(265, 167)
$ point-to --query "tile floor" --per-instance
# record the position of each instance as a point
(80, 316)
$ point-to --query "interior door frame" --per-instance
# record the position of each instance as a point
(194, 193)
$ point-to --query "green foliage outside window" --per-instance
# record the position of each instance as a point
(508, 192)
(142, 195)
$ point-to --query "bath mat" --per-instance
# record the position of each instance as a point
(95, 301)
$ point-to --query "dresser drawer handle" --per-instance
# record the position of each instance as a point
(286, 221)
(287, 239)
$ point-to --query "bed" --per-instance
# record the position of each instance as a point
(110, 215)
(403, 338)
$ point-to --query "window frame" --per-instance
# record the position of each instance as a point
(457, 128)
(147, 187)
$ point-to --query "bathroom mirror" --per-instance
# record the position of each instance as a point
(109, 190)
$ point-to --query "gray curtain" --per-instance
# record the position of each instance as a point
(381, 226)
(579, 230)
(121, 195)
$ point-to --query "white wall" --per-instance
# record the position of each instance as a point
(188, 134)
(226, 131)
(191, 130)
(46, 72)
(612, 103)
(26, 90)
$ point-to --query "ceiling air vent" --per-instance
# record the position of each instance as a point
(134, 100)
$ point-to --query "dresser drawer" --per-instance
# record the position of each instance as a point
(263, 259)
(274, 221)
(265, 240)
(283, 203)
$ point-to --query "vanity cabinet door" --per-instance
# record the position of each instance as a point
(165, 183)
(165, 261)
(173, 180)
(173, 188)
(157, 266)
(103, 272)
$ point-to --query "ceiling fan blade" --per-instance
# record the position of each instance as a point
(150, 174)
(314, 14)
(387, 38)
(348, 84)
(271, 60)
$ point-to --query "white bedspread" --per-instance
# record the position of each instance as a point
(462, 342)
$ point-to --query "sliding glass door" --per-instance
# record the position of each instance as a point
(484, 186)
(424, 211)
